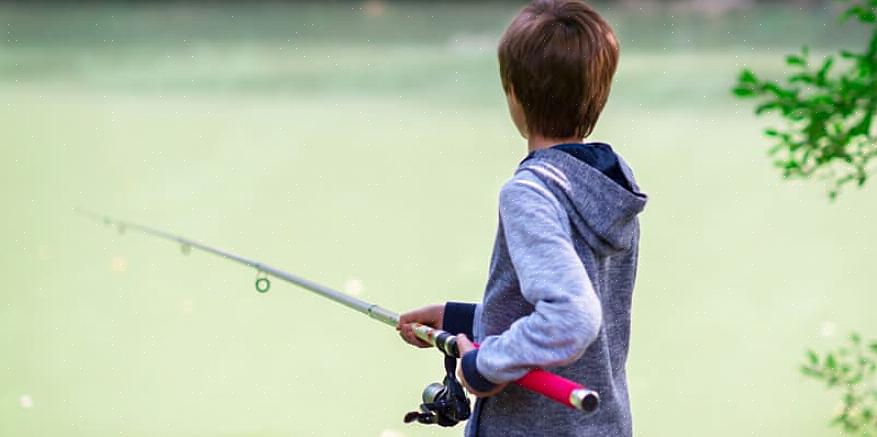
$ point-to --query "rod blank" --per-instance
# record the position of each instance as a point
(548, 384)
(374, 311)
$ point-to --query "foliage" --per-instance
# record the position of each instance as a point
(828, 109)
(852, 370)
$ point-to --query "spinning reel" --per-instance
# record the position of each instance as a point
(445, 403)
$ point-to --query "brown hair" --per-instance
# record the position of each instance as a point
(559, 56)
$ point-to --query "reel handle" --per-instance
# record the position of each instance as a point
(550, 385)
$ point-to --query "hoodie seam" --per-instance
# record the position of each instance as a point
(559, 210)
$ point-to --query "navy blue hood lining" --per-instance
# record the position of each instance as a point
(600, 156)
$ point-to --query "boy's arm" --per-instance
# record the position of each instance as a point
(567, 315)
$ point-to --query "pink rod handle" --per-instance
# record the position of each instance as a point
(559, 389)
(554, 387)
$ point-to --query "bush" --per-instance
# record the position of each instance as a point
(828, 109)
(852, 370)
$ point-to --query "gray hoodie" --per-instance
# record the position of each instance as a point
(558, 297)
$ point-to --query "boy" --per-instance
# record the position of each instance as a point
(561, 277)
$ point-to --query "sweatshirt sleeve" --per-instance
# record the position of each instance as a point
(568, 314)
(459, 318)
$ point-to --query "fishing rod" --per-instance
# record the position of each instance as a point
(443, 403)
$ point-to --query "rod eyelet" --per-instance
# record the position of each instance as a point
(263, 284)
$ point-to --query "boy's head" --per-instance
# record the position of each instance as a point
(556, 62)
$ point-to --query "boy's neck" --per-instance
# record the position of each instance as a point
(536, 142)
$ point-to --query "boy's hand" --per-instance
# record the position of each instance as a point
(430, 315)
(464, 346)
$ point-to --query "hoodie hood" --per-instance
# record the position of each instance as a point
(601, 210)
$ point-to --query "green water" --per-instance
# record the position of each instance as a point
(366, 153)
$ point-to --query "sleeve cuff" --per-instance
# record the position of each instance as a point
(473, 377)
(459, 318)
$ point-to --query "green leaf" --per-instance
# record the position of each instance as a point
(868, 17)
(777, 90)
(812, 357)
(846, 54)
(795, 60)
(852, 12)
(832, 194)
(744, 91)
(802, 78)
(823, 72)
(747, 76)
(860, 12)
(768, 106)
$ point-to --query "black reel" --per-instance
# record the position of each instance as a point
(444, 404)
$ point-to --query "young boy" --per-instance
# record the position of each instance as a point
(561, 278)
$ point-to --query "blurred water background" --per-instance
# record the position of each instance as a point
(362, 145)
